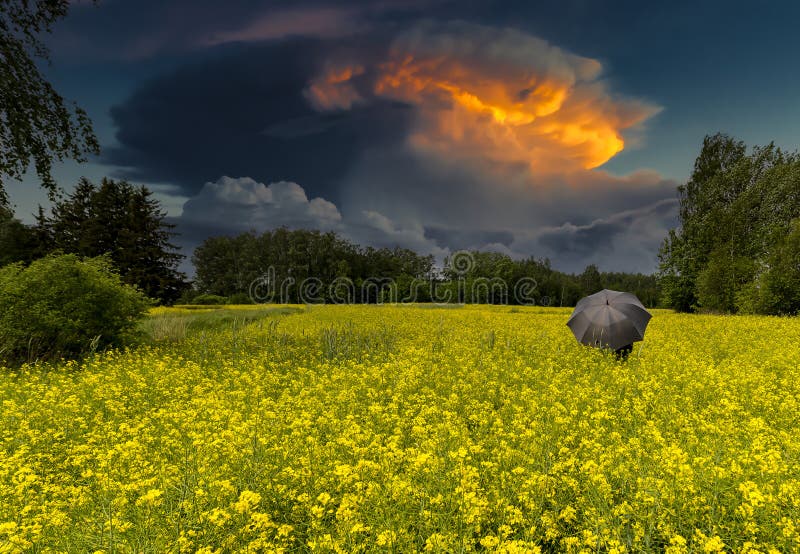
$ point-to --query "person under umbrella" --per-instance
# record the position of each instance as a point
(610, 319)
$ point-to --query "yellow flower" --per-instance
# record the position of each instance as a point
(386, 538)
(151, 498)
(247, 501)
(396, 427)
(568, 514)
(677, 545)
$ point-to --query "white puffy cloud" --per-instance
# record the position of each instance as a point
(243, 204)
(235, 205)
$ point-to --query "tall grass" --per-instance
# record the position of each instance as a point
(175, 325)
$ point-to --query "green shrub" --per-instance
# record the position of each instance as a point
(187, 296)
(240, 298)
(62, 307)
(210, 299)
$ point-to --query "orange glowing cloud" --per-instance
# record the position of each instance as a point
(333, 89)
(507, 96)
(499, 95)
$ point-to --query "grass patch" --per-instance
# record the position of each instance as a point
(182, 321)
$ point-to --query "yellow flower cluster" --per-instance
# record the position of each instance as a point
(411, 428)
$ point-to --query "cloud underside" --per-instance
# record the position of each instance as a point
(435, 137)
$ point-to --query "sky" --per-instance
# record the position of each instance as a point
(557, 130)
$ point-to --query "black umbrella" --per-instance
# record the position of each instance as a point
(609, 319)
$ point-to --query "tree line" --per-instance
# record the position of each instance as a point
(738, 246)
(126, 224)
(277, 264)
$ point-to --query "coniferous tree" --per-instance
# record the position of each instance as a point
(18, 242)
(124, 222)
(590, 280)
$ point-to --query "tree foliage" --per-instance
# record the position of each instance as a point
(227, 266)
(18, 242)
(737, 212)
(36, 124)
(590, 279)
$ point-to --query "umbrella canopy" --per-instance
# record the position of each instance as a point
(609, 319)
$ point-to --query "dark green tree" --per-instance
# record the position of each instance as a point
(36, 124)
(735, 211)
(227, 266)
(645, 287)
(127, 224)
(702, 199)
(590, 280)
(18, 242)
(776, 291)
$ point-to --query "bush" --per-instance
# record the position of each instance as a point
(187, 296)
(62, 307)
(210, 300)
(240, 298)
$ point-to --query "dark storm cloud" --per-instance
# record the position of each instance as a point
(625, 241)
(454, 195)
(599, 235)
(467, 239)
(424, 136)
(309, 110)
(148, 29)
(243, 112)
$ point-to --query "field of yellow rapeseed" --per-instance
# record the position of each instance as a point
(379, 428)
